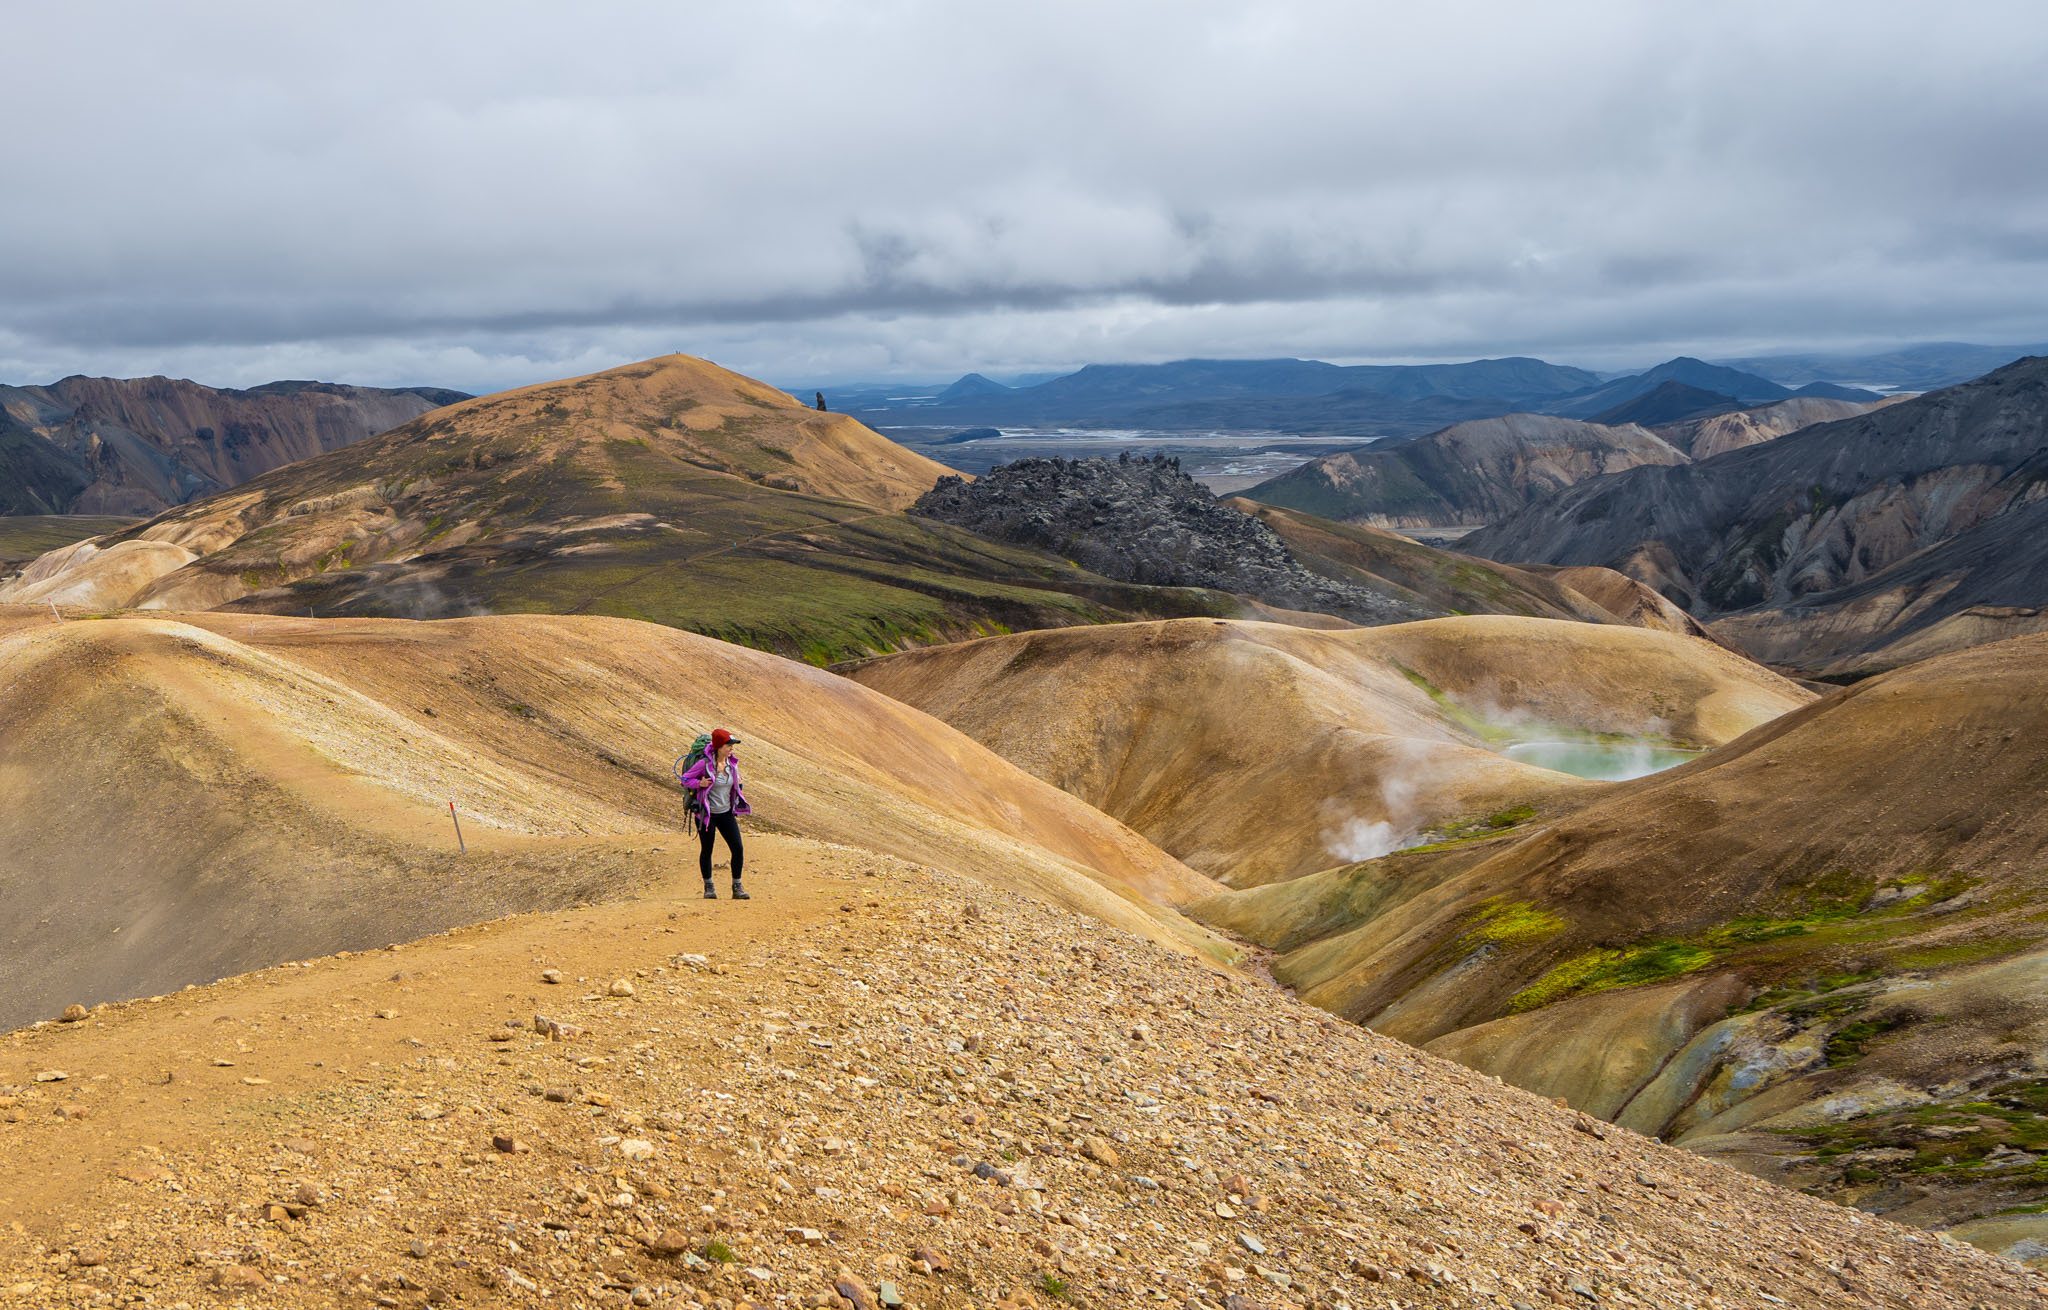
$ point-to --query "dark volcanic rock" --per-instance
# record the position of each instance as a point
(1146, 521)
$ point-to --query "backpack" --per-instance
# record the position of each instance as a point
(688, 759)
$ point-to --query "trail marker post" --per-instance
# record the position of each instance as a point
(460, 845)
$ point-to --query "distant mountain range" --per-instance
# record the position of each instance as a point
(1309, 397)
(137, 446)
(1910, 368)
(1289, 395)
(1693, 373)
(1671, 402)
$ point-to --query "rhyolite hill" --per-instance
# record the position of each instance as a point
(135, 446)
(1862, 543)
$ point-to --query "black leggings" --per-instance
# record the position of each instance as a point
(707, 837)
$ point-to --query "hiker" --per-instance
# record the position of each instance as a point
(718, 801)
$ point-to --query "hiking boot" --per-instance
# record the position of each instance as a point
(710, 892)
(739, 893)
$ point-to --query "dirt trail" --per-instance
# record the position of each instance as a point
(867, 1061)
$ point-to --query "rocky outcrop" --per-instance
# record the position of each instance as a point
(1146, 521)
(1465, 475)
(1862, 533)
(137, 446)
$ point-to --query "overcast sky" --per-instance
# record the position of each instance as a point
(486, 194)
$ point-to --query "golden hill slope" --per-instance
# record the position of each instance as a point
(209, 793)
(883, 1075)
(1255, 751)
(1821, 950)
(483, 467)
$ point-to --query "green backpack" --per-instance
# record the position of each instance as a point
(688, 759)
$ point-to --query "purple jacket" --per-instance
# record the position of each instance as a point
(697, 780)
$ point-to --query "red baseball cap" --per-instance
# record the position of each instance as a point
(720, 737)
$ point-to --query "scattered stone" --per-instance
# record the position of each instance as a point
(235, 1279)
(558, 1095)
(507, 1143)
(853, 1292)
(637, 1148)
(74, 1013)
(52, 1076)
(669, 1242)
(1250, 1243)
(1276, 1277)
(1100, 1151)
(621, 988)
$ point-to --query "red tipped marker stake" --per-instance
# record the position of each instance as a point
(459, 843)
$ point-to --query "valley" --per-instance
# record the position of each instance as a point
(1259, 752)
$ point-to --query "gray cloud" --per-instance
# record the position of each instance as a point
(485, 194)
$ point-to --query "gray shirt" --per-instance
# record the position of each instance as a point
(718, 799)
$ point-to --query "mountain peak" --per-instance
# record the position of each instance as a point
(969, 387)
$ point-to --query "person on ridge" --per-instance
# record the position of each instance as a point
(717, 802)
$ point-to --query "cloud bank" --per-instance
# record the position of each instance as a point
(481, 195)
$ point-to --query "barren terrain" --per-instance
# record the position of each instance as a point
(875, 1084)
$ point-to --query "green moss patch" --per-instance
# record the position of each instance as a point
(1486, 827)
(1845, 1045)
(1511, 924)
(1605, 970)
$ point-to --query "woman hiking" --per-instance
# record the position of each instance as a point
(718, 801)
